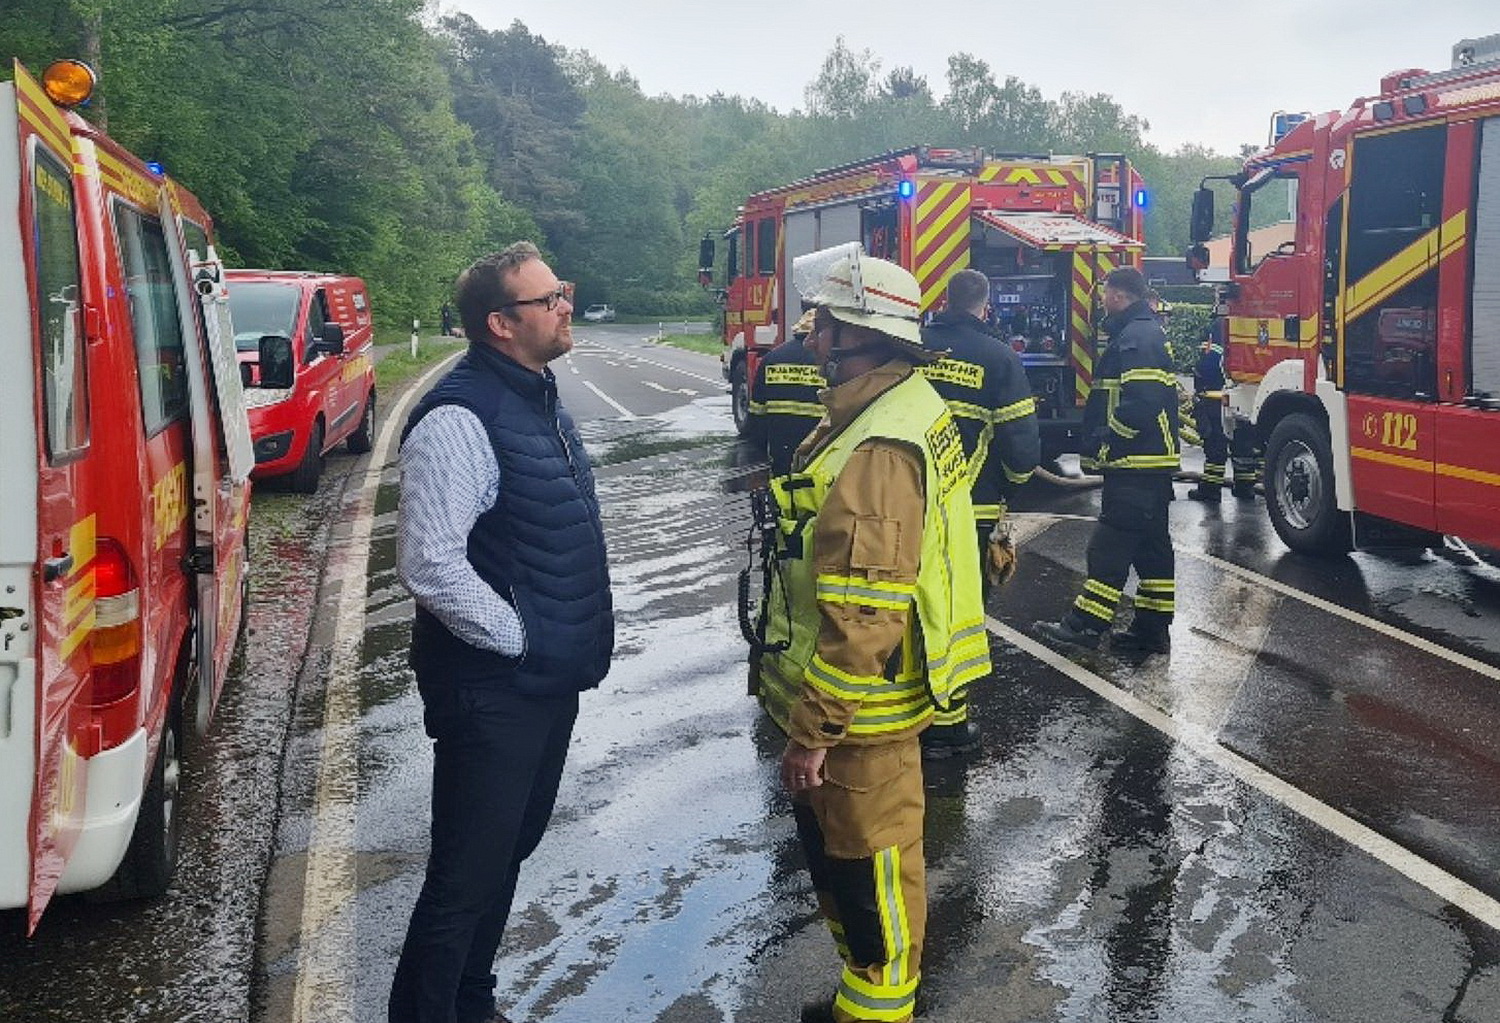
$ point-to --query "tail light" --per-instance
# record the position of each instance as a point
(115, 644)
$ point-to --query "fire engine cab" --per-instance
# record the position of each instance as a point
(1364, 346)
(126, 464)
(1044, 229)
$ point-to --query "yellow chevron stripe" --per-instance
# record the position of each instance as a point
(42, 115)
(937, 195)
(1405, 266)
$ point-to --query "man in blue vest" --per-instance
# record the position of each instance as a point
(501, 544)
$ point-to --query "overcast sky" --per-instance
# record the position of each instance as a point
(1205, 71)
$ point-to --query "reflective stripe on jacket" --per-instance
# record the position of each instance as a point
(941, 648)
(1131, 413)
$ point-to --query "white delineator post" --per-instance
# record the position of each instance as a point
(415, 324)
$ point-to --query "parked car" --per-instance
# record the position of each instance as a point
(305, 342)
(599, 314)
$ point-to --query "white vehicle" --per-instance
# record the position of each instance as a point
(599, 314)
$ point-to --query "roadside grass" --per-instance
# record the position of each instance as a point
(399, 366)
(708, 344)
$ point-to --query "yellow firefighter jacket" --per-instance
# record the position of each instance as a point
(876, 588)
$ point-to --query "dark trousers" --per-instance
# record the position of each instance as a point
(1209, 416)
(497, 760)
(1132, 533)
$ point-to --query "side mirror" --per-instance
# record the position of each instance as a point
(332, 338)
(1197, 258)
(1201, 226)
(277, 369)
(706, 261)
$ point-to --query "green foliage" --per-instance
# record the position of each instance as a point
(1185, 329)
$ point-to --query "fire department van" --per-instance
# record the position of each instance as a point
(126, 466)
(305, 342)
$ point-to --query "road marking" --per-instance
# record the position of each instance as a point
(671, 390)
(717, 383)
(324, 991)
(1436, 880)
(1373, 624)
(610, 401)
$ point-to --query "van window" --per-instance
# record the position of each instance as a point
(153, 317)
(317, 315)
(259, 308)
(765, 247)
(64, 371)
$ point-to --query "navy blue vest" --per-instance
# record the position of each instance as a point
(541, 546)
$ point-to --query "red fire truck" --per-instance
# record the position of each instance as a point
(1365, 351)
(126, 465)
(1044, 229)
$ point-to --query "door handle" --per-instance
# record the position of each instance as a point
(56, 568)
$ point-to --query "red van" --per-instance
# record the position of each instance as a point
(305, 343)
(126, 464)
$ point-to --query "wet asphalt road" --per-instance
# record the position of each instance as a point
(1084, 865)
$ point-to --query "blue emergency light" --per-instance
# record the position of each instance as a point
(1140, 197)
(155, 167)
(906, 189)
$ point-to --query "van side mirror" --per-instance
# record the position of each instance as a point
(706, 261)
(277, 369)
(1201, 225)
(332, 338)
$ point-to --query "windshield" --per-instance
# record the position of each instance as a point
(261, 308)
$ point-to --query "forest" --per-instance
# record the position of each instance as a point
(384, 139)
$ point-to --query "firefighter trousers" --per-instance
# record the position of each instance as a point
(1209, 416)
(1132, 533)
(861, 831)
(1246, 456)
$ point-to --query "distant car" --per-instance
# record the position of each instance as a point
(599, 314)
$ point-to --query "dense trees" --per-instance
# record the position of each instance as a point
(362, 136)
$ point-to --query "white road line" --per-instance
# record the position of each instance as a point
(670, 390)
(324, 991)
(719, 384)
(1373, 624)
(610, 401)
(1436, 880)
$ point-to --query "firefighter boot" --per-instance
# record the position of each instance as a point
(1142, 641)
(1063, 634)
(817, 1012)
(1209, 492)
(942, 741)
(1244, 491)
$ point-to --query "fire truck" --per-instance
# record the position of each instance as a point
(1044, 229)
(1364, 345)
(126, 465)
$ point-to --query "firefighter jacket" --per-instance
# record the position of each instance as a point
(1208, 372)
(875, 597)
(982, 380)
(1131, 415)
(784, 404)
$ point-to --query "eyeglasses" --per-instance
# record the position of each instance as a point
(563, 293)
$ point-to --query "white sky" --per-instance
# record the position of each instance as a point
(1205, 71)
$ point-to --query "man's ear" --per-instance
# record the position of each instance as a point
(500, 326)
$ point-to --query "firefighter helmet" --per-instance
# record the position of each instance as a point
(869, 292)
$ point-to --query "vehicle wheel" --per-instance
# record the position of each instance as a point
(739, 397)
(305, 477)
(1299, 488)
(360, 440)
(151, 859)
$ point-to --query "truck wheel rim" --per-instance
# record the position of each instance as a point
(1299, 486)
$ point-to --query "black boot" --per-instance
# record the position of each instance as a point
(817, 1012)
(1244, 491)
(942, 741)
(1063, 634)
(1142, 641)
(1210, 492)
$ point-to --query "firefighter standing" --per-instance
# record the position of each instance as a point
(1131, 417)
(1208, 414)
(984, 384)
(784, 404)
(875, 615)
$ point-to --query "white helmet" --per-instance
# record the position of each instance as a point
(869, 292)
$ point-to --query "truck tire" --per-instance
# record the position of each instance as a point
(362, 437)
(1299, 488)
(305, 477)
(739, 397)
